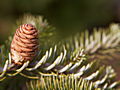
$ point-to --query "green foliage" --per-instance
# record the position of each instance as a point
(65, 65)
(99, 39)
(61, 83)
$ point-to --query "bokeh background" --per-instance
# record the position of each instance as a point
(68, 16)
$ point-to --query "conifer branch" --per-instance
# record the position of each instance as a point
(66, 61)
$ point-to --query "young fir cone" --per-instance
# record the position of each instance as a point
(24, 45)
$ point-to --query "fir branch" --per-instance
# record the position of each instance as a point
(68, 61)
(100, 39)
(45, 68)
(50, 83)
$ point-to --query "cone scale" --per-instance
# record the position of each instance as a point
(24, 45)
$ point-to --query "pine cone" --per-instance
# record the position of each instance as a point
(24, 45)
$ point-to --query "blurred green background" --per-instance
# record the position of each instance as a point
(68, 16)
